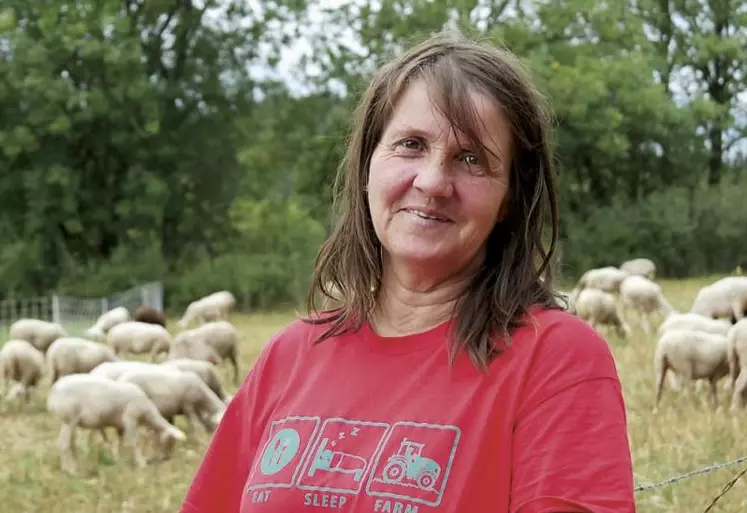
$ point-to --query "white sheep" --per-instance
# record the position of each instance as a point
(113, 370)
(726, 297)
(599, 307)
(640, 267)
(205, 370)
(222, 336)
(193, 349)
(107, 321)
(693, 355)
(21, 362)
(737, 354)
(607, 279)
(695, 322)
(75, 355)
(40, 333)
(645, 297)
(94, 402)
(214, 307)
(139, 337)
(176, 392)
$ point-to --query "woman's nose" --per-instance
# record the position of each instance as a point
(434, 178)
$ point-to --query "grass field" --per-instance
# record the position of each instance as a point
(684, 436)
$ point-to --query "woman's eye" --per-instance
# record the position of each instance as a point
(472, 160)
(410, 144)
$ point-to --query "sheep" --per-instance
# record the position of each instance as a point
(186, 347)
(695, 322)
(107, 321)
(113, 370)
(222, 336)
(40, 333)
(94, 402)
(145, 313)
(21, 362)
(205, 370)
(644, 297)
(726, 297)
(640, 267)
(693, 355)
(176, 392)
(139, 337)
(74, 355)
(607, 279)
(737, 356)
(214, 307)
(599, 307)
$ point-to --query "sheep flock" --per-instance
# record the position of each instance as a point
(703, 345)
(146, 395)
(98, 383)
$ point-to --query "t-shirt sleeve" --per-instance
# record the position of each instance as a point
(217, 486)
(571, 450)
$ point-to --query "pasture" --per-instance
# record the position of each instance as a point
(685, 435)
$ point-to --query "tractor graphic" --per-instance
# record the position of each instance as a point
(408, 464)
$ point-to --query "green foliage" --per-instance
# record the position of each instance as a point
(685, 231)
(136, 146)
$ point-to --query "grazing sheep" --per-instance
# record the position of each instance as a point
(192, 348)
(205, 370)
(214, 307)
(694, 322)
(599, 307)
(640, 267)
(175, 392)
(692, 355)
(726, 297)
(138, 338)
(607, 279)
(74, 355)
(107, 321)
(222, 336)
(23, 363)
(93, 402)
(144, 313)
(645, 298)
(113, 370)
(737, 353)
(39, 333)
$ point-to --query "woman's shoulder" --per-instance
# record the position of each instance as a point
(556, 338)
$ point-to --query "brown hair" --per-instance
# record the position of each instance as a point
(517, 271)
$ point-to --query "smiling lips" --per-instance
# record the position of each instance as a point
(427, 213)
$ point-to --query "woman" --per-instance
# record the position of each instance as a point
(448, 379)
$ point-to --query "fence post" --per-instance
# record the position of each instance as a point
(104, 304)
(56, 309)
(144, 297)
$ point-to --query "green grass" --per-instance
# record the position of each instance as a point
(685, 435)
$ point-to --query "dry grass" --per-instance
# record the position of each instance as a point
(684, 436)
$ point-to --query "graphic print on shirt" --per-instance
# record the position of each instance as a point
(341, 455)
(333, 459)
(414, 463)
(281, 457)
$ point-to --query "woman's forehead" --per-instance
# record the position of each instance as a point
(472, 116)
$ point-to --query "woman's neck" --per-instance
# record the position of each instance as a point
(412, 304)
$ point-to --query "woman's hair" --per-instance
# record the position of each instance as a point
(517, 272)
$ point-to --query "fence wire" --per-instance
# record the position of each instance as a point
(700, 471)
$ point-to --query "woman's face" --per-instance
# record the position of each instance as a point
(433, 202)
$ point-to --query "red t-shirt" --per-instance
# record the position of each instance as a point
(367, 424)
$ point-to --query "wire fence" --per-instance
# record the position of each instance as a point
(705, 470)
